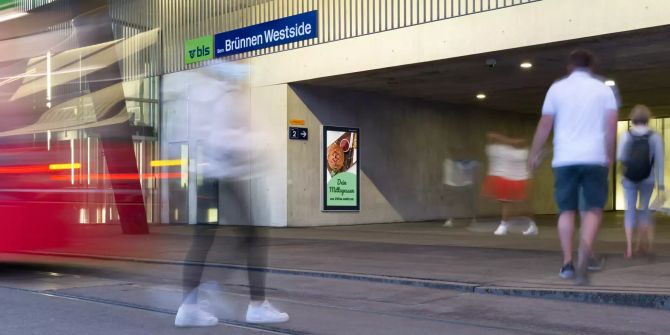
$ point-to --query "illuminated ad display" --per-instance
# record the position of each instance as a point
(340, 169)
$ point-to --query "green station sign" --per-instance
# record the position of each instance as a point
(199, 49)
(7, 4)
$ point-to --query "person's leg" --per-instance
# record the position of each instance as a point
(526, 207)
(595, 185)
(589, 232)
(257, 261)
(650, 232)
(498, 187)
(630, 196)
(449, 222)
(249, 247)
(595, 263)
(203, 237)
(189, 313)
(646, 222)
(253, 245)
(566, 191)
(505, 215)
(566, 229)
(474, 202)
(507, 211)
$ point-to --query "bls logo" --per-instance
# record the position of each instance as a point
(199, 49)
(200, 52)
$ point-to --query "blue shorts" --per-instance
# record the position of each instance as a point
(588, 182)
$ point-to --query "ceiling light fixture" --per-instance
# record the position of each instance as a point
(526, 65)
(481, 96)
(610, 83)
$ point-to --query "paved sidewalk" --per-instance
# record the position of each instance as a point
(467, 258)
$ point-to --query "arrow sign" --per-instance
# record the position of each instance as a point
(297, 133)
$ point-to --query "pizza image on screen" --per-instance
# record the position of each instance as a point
(340, 152)
(340, 169)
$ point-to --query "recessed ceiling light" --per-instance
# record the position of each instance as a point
(526, 65)
(481, 96)
(610, 82)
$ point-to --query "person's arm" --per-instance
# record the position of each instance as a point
(544, 128)
(542, 133)
(621, 146)
(659, 162)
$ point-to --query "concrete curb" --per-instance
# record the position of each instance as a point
(620, 298)
(583, 294)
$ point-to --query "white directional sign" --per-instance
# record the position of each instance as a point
(296, 133)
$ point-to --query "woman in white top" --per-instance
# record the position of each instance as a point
(641, 154)
(508, 180)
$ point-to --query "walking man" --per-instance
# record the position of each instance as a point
(582, 111)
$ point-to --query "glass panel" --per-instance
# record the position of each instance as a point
(207, 192)
(178, 187)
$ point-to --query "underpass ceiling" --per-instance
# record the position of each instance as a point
(638, 61)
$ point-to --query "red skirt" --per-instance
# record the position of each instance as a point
(503, 189)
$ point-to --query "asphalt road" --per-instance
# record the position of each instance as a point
(52, 295)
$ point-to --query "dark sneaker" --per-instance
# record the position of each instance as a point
(567, 271)
(596, 263)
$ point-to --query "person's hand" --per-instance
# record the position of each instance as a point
(534, 162)
(658, 203)
(536, 159)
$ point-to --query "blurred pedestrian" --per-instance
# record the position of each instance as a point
(642, 157)
(217, 100)
(582, 111)
(508, 180)
(460, 178)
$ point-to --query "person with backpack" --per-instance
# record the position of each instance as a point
(641, 155)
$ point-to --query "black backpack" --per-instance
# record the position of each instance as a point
(638, 164)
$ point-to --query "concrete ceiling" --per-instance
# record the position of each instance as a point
(638, 61)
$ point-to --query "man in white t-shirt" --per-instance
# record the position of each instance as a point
(582, 111)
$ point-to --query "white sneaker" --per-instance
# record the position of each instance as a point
(502, 229)
(190, 315)
(449, 223)
(265, 313)
(532, 229)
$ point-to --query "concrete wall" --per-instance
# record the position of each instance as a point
(268, 111)
(538, 23)
(403, 145)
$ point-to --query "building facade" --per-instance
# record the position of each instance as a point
(404, 75)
